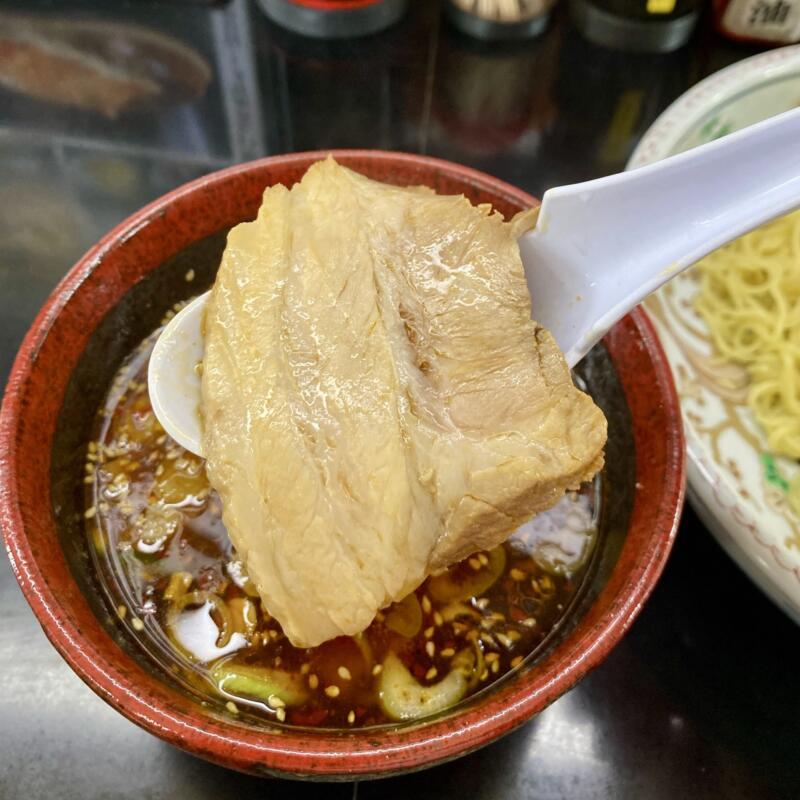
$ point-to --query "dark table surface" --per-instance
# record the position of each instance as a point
(700, 699)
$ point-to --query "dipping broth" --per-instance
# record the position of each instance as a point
(155, 529)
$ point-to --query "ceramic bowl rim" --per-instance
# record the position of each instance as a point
(672, 122)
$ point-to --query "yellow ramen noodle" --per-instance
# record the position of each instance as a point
(750, 300)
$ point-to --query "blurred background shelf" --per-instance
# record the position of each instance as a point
(700, 699)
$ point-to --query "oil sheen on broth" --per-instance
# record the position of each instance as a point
(173, 578)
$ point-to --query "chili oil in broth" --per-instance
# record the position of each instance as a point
(169, 570)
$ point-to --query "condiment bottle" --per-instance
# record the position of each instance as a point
(500, 19)
(644, 26)
(772, 22)
(334, 19)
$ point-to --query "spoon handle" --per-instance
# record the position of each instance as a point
(600, 247)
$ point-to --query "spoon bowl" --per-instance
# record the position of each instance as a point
(174, 375)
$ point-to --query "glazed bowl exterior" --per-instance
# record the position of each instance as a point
(111, 299)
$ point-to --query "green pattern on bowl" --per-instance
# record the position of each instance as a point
(715, 128)
(742, 109)
(772, 473)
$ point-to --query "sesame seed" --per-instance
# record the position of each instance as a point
(280, 713)
(122, 611)
(426, 604)
(484, 674)
(430, 648)
(448, 652)
(89, 479)
(504, 640)
(431, 674)
(231, 706)
(530, 622)
(332, 691)
(495, 667)
(437, 619)
(482, 602)
(344, 673)
(90, 512)
(516, 661)
(490, 657)
(377, 669)
(189, 276)
(515, 636)
(475, 564)
(273, 701)
(482, 557)
(517, 574)
(138, 625)
(351, 717)
(304, 668)
(313, 681)
(428, 632)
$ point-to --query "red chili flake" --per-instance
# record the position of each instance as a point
(208, 578)
(309, 716)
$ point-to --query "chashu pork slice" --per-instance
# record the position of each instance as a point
(377, 402)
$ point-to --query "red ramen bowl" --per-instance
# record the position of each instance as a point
(116, 295)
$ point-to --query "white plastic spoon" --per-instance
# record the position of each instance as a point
(598, 249)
